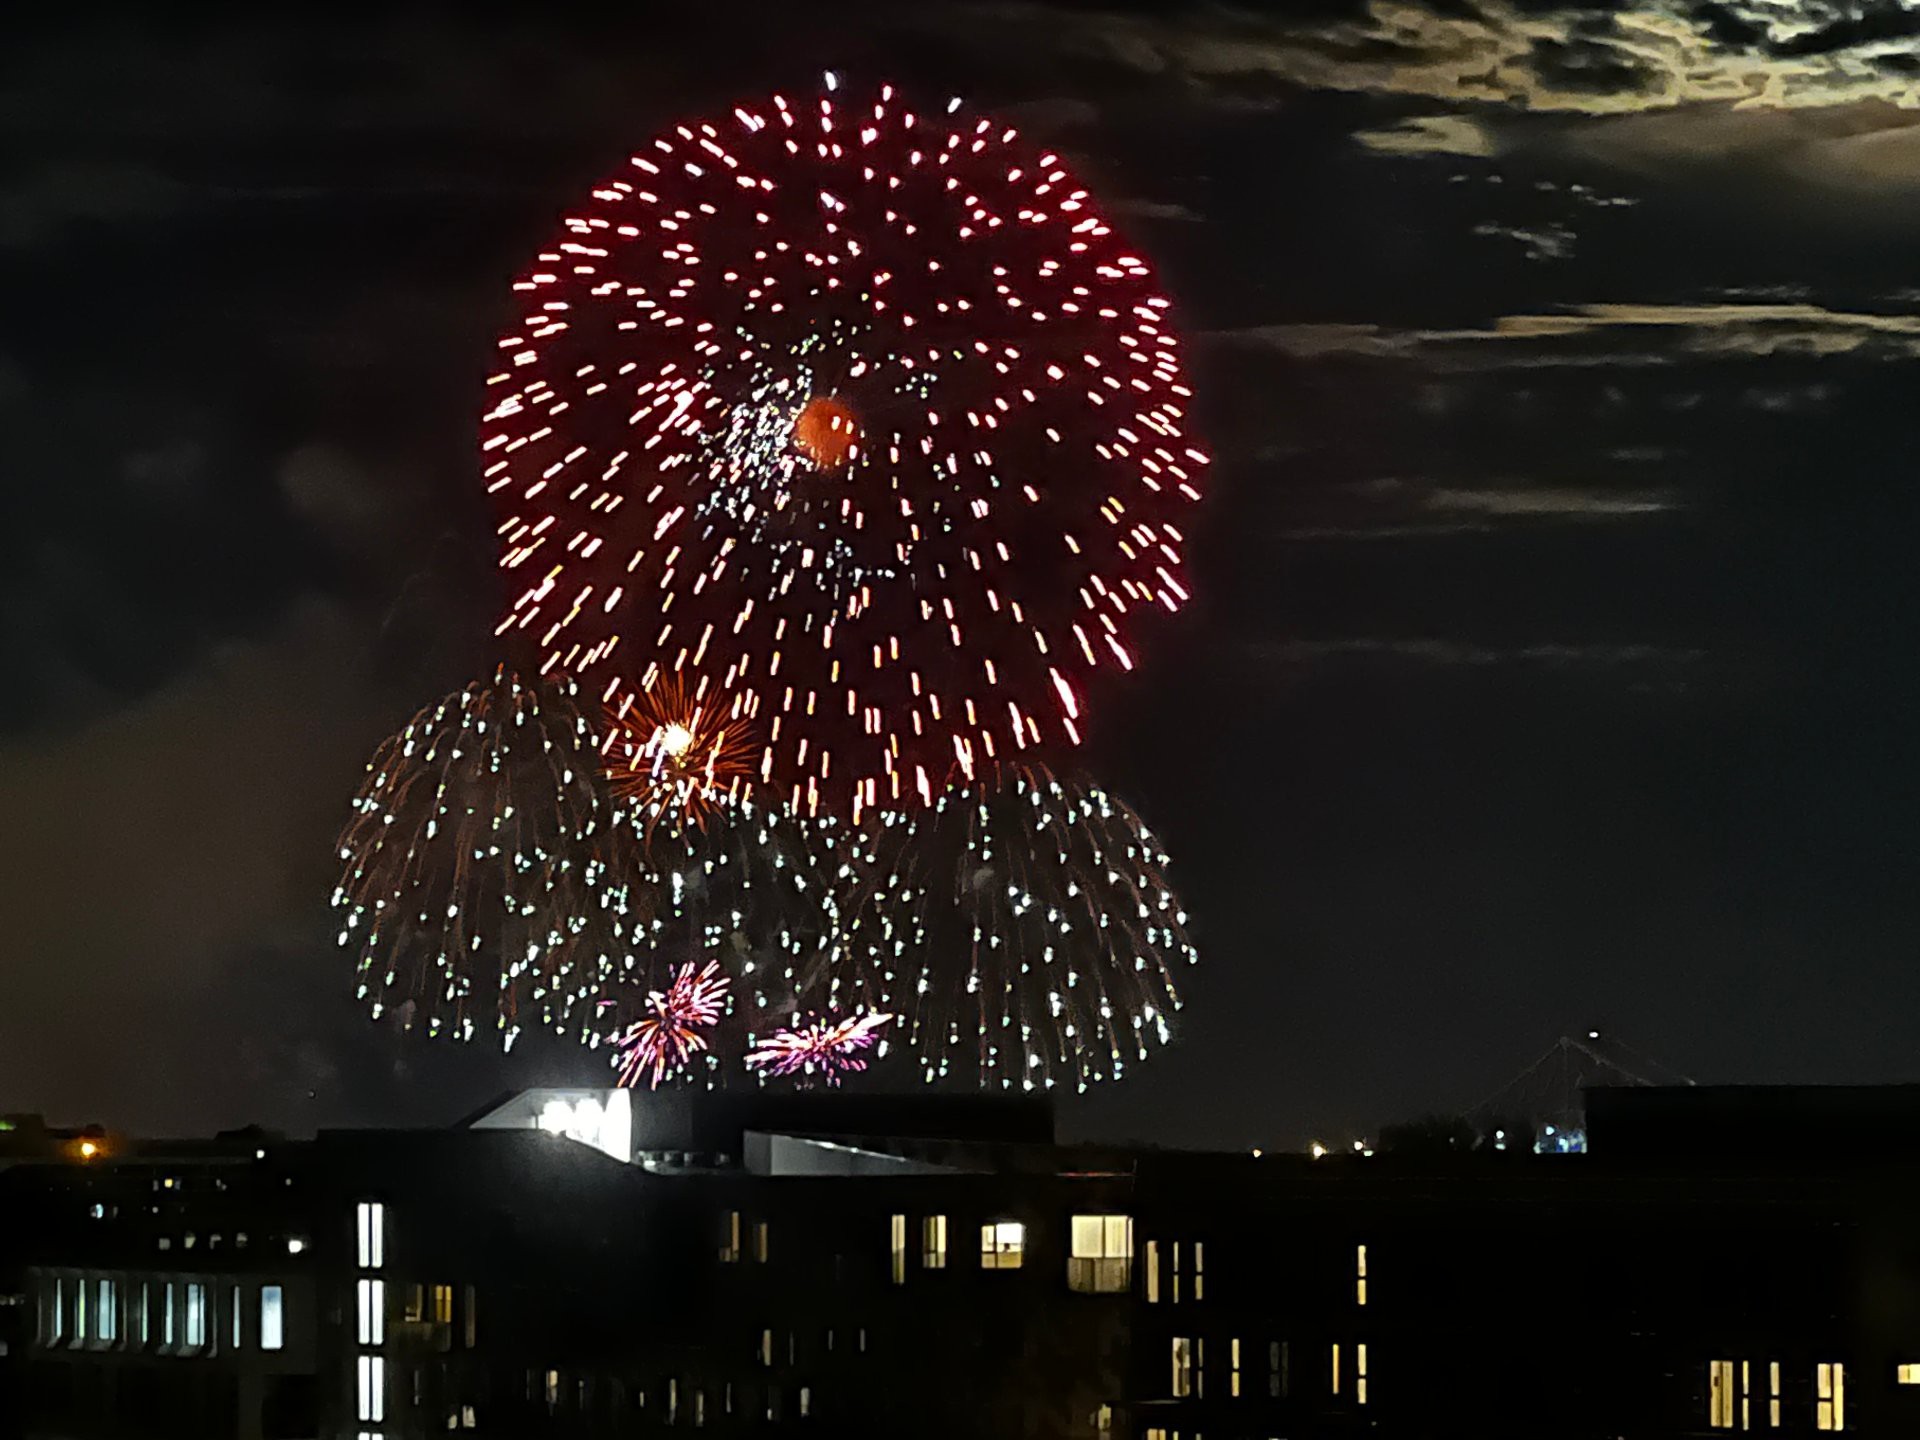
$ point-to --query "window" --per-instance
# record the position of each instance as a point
(371, 1305)
(443, 1304)
(1102, 1259)
(57, 1329)
(1360, 1373)
(107, 1312)
(1182, 1367)
(1277, 1378)
(1720, 1394)
(730, 1239)
(766, 1348)
(80, 1309)
(933, 1242)
(1907, 1374)
(1003, 1245)
(760, 1241)
(273, 1317)
(471, 1318)
(414, 1306)
(168, 1334)
(806, 1400)
(233, 1306)
(1199, 1271)
(370, 1222)
(1746, 1395)
(1360, 1275)
(1336, 1367)
(146, 1315)
(1773, 1394)
(1233, 1363)
(1153, 1272)
(196, 1316)
(371, 1390)
(1830, 1386)
(898, 1239)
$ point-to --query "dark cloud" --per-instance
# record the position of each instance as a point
(1588, 66)
(1725, 25)
(1872, 23)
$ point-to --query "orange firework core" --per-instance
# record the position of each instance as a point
(825, 432)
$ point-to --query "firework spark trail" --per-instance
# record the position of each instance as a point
(483, 869)
(830, 1048)
(1025, 919)
(865, 422)
(672, 757)
(674, 1030)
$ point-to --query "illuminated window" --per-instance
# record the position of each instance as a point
(1102, 1258)
(1830, 1386)
(238, 1330)
(443, 1304)
(1907, 1374)
(1360, 1275)
(1360, 1373)
(1182, 1367)
(933, 1242)
(80, 1308)
(1199, 1271)
(196, 1316)
(371, 1388)
(371, 1304)
(1153, 1272)
(145, 1316)
(272, 1318)
(1773, 1394)
(806, 1400)
(370, 1225)
(897, 1239)
(1003, 1245)
(1233, 1364)
(471, 1317)
(760, 1242)
(107, 1312)
(1336, 1368)
(168, 1333)
(414, 1306)
(1103, 1422)
(766, 1348)
(1746, 1395)
(730, 1239)
(1176, 1272)
(1720, 1394)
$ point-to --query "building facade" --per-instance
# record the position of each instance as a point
(597, 1264)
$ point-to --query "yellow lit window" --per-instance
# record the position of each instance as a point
(730, 1238)
(443, 1304)
(1746, 1395)
(1360, 1275)
(1153, 1272)
(1336, 1367)
(1199, 1271)
(760, 1242)
(1720, 1394)
(933, 1242)
(1233, 1363)
(1003, 1245)
(1182, 1367)
(1773, 1394)
(1830, 1388)
(1176, 1272)
(1360, 1373)
(1907, 1374)
(1101, 1262)
(898, 1240)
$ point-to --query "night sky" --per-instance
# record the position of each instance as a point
(1552, 663)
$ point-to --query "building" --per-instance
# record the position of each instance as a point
(575, 1263)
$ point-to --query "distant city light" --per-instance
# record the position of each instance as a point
(1317, 1149)
(295, 1245)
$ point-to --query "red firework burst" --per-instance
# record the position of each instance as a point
(864, 422)
(830, 1048)
(673, 1031)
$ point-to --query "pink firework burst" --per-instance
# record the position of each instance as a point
(672, 1032)
(831, 1048)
